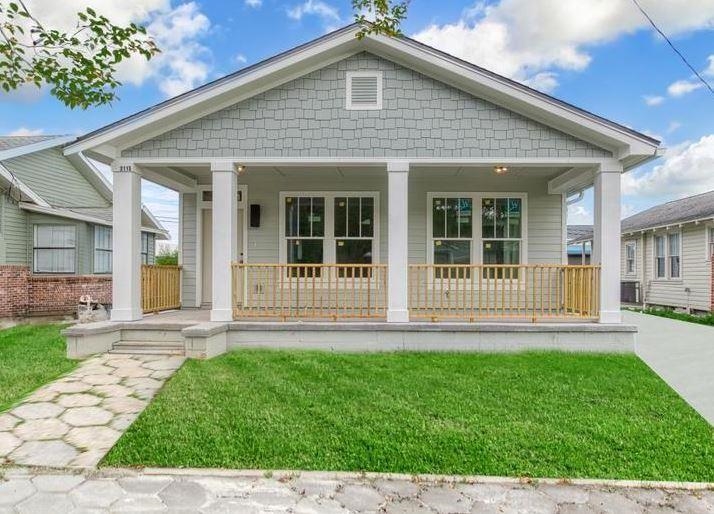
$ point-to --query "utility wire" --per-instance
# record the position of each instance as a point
(669, 42)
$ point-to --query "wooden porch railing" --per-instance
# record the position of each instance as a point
(302, 291)
(513, 292)
(160, 288)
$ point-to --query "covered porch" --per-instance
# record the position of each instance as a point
(370, 240)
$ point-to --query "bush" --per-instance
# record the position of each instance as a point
(167, 257)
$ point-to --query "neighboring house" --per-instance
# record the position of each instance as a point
(667, 254)
(56, 228)
(579, 244)
(373, 178)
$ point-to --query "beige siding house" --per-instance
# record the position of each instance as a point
(373, 181)
(667, 253)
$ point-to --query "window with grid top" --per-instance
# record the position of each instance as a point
(102, 249)
(54, 249)
(501, 231)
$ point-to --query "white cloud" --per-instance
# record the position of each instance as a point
(673, 125)
(683, 87)
(177, 29)
(240, 59)
(544, 81)
(653, 100)
(579, 215)
(24, 131)
(254, 3)
(687, 169)
(522, 38)
(323, 10)
(709, 71)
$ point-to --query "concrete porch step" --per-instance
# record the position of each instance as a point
(148, 348)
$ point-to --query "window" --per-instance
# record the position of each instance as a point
(673, 243)
(364, 90)
(452, 230)
(660, 257)
(146, 240)
(329, 228)
(501, 233)
(54, 249)
(102, 249)
(630, 257)
(710, 243)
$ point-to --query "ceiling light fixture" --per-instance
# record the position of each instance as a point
(240, 168)
(500, 170)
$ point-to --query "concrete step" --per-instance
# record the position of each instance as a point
(148, 348)
(162, 344)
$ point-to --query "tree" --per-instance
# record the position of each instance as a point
(167, 257)
(79, 66)
(380, 16)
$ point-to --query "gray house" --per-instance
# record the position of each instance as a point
(667, 254)
(374, 180)
(56, 228)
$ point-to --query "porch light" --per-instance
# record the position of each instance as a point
(240, 168)
(500, 170)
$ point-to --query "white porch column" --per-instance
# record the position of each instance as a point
(225, 234)
(126, 242)
(606, 240)
(398, 252)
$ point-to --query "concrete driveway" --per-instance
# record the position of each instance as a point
(682, 354)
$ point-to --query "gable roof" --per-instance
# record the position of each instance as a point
(693, 208)
(579, 233)
(631, 147)
(9, 142)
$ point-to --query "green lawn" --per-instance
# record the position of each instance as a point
(530, 414)
(702, 319)
(30, 356)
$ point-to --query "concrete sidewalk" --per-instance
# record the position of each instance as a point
(682, 354)
(111, 490)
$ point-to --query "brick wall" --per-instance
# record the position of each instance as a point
(24, 294)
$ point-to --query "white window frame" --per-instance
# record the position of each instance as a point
(633, 245)
(348, 91)
(35, 248)
(145, 237)
(709, 239)
(329, 254)
(476, 231)
(109, 250)
(667, 257)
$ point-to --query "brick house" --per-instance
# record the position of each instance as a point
(56, 228)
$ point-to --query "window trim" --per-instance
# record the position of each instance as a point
(109, 250)
(348, 90)
(329, 254)
(667, 267)
(709, 240)
(35, 248)
(145, 236)
(477, 239)
(633, 244)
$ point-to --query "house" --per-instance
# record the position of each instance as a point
(378, 181)
(667, 254)
(579, 244)
(56, 228)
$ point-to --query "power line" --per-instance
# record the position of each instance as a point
(669, 42)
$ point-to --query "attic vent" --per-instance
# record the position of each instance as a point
(364, 90)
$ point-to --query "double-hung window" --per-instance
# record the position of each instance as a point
(660, 257)
(501, 222)
(630, 257)
(54, 249)
(146, 240)
(102, 249)
(674, 254)
(329, 228)
(452, 232)
(710, 243)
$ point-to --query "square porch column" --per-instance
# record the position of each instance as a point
(397, 244)
(606, 240)
(225, 236)
(126, 242)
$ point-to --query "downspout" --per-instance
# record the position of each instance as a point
(580, 196)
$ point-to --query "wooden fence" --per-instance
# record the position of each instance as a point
(160, 288)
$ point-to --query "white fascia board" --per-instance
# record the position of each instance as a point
(209, 99)
(24, 189)
(160, 229)
(503, 92)
(667, 226)
(35, 147)
(92, 174)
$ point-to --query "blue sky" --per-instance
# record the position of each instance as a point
(597, 54)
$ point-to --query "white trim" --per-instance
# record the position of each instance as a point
(329, 239)
(667, 265)
(24, 189)
(709, 240)
(35, 147)
(632, 243)
(476, 229)
(377, 106)
(75, 261)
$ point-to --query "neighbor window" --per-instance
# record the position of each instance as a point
(630, 257)
(54, 249)
(102, 249)
(146, 240)
(710, 243)
(673, 248)
(660, 257)
(332, 228)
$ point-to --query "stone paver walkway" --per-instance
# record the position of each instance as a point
(23, 491)
(680, 352)
(75, 420)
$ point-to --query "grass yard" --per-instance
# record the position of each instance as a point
(702, 319)
(531, 414)
(30, 356)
